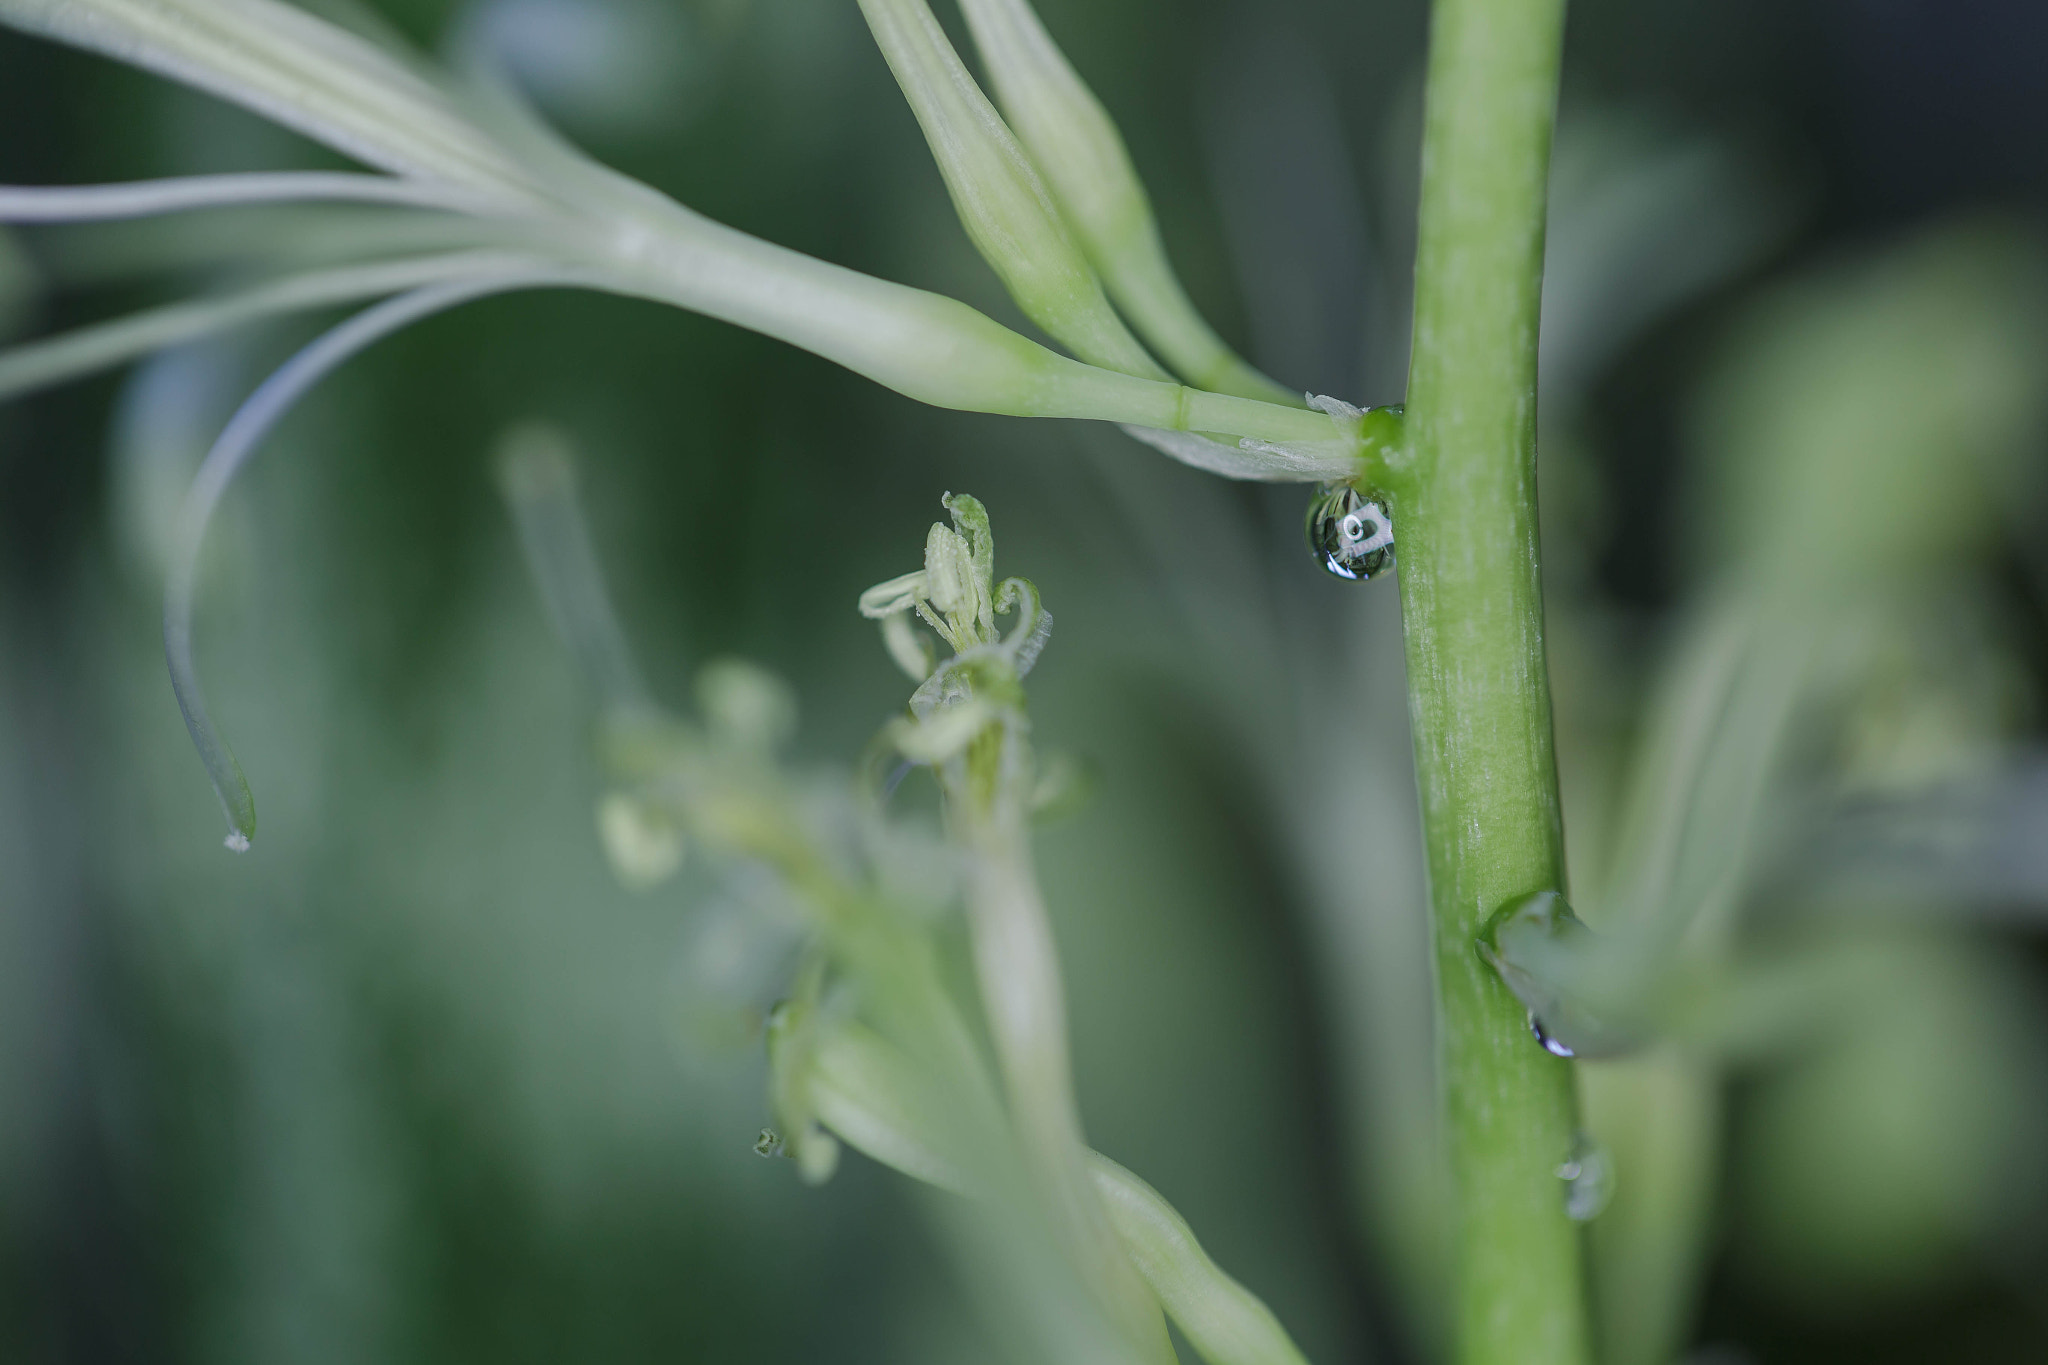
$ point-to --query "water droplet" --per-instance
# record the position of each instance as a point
(1588, 1174)
(1351, 533)
(1554, 1046)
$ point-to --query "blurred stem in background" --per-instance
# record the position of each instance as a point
(1479, 698)
(871, 1046)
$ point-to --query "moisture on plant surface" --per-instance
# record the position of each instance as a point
(1351, 534)
(660, 698)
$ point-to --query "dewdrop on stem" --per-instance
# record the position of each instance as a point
(1351, 533)
(1588, 1176)
(1552, 1044)
(1554, 965)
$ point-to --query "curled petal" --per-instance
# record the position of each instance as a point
(897, 595)
(912, 652)
(1027, 638)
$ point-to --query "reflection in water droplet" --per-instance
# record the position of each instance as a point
(1588, 1174)
(1555, 1047)
(1351, 533)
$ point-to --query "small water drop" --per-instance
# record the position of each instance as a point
(1351, 533)
(1554, 1046)
(1588, 1174)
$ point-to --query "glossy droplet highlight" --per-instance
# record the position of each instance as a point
(1554, 1046)
(1588, 1174)
(1560, 970)
(1351, 533)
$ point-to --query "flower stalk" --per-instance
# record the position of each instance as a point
(871, 1046)
(968, 723)
(1479, 700)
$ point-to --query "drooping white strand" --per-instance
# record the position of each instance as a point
(69, 355)
(237, 441)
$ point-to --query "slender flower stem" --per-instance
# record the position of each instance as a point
(181, 194)
(1479, 698)
(67, 355)
(927, 346)
(1017, 966)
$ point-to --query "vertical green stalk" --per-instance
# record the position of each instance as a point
(1479, 699)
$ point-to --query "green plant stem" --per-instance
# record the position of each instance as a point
(1479, 698)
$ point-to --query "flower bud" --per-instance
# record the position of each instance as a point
(1071, 136)
(949, 569)
(998, 193)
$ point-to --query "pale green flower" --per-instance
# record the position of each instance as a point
(872, 1045)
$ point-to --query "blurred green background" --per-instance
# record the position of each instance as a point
(416, 1080)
